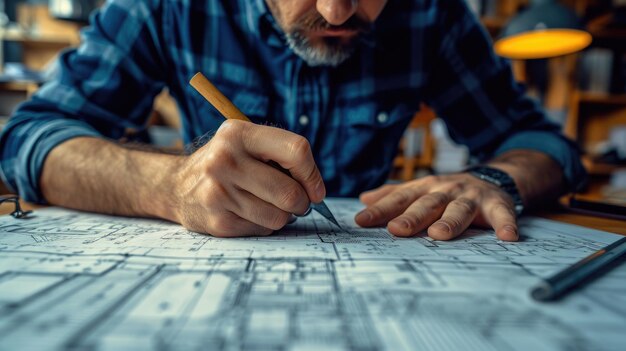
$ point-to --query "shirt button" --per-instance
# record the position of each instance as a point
(382, 117)
(304, 120)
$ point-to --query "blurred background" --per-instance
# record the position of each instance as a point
(570, 53)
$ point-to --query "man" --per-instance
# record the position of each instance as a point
(339, 80)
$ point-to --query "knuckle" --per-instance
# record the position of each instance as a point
(230, 128)
(411, 183)
(473, 192)
(385, 187)
(436, 200)
(455, 187)
(388, 187)
(391, 187)
(430, 179)
(500, 208)
(291, 198)
(401, 198)
(300, 148)
(313, 176)
(465, 205)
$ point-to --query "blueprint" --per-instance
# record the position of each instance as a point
(75, 281)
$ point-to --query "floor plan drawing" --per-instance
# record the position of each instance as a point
(76, 281)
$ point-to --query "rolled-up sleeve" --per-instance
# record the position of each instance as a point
(559, 148)
(475, 93)
(24, 152)
(101, 89)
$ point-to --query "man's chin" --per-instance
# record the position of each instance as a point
(323, 51)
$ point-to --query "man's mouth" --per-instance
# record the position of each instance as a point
(315, 26)
(336, 32)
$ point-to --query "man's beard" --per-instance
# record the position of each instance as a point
(326, 51)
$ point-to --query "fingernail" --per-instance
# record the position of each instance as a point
(510, 229)
(401, 222)
(364, 216)
(320, 190)
(442, 226)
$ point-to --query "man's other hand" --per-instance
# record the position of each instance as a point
(228, 189)
(445, 205)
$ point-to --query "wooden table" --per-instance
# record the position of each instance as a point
(604, 224)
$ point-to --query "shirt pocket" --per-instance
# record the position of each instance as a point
(370, 137)
(375, 116)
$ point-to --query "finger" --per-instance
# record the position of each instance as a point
(457, 217)
(389, 206)
(229, 225)
(502, 219)
(372, 196)
(291, 151)
(272, 186)
(422, 213)
(259, 212)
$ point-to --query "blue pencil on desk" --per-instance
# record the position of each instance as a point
(567, 280)
(230, 111)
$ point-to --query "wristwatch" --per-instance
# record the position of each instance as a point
(502, 180)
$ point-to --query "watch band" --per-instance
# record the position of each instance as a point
(502, 180)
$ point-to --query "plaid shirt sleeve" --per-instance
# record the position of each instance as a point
(474, 91)
(105, 86)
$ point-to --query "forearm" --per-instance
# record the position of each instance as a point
(96, 175)
(538, 177)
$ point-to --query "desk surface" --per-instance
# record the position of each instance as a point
(73, 280)
(604, 224)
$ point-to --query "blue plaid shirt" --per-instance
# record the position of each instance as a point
(353, 115)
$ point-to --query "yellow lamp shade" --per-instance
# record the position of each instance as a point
(543, 43)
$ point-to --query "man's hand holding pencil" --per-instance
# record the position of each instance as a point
(230, 178)
(252, 178)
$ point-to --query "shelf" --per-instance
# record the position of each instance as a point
(600, 98)
(40, 40)
(601, 169)
(18, 86)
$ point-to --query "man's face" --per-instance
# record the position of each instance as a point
(325, 32)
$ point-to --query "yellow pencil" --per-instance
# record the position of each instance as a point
(216, 98)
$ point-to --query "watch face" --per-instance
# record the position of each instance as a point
(500, 178)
